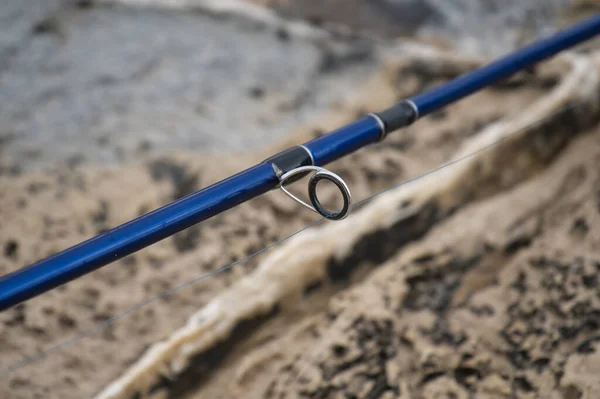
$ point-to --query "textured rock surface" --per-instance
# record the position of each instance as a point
(491, 27)
(93, 81)
(102, 83)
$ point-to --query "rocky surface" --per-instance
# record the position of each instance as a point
(99, 83)
(92, 81)
(491, 27)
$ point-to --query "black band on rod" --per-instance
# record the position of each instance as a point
(400, 115)
(289, 160)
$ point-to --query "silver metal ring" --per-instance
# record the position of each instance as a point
(414, 106)
(319, 174)
(312, 158)
(381, 125)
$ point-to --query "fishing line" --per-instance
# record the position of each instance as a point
(68, 342)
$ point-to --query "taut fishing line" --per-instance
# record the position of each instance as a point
(70, 341)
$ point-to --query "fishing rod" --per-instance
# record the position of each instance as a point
(276, 172)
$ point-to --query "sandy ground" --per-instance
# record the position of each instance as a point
(486, 289)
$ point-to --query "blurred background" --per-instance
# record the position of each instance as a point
(112, 108)
(114, 81)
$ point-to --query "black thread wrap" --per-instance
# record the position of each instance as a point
(400, 115)
(289, 160)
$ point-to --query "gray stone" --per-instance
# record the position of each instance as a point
(111, 83)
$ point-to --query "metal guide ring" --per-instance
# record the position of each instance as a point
(319, 174)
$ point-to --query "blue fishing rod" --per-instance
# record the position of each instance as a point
(276, 172)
